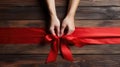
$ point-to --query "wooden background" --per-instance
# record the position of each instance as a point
(33, 13)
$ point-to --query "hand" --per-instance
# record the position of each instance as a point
(68, 23)
(55, 26)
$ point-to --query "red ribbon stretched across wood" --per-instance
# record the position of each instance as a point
(81, 36)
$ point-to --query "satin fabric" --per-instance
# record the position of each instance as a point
(80, 37)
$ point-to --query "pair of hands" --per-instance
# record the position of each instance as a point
(58, 29)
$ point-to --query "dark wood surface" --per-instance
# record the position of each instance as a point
(79, 61)
(60, 2)
(33, 13)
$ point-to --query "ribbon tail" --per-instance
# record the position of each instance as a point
(53, 52)
(66, 52)
(52, 56)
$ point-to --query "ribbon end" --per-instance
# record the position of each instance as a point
(69, 58)
(52, 56)
(66, 53)
(49, 61)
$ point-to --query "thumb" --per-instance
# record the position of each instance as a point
(70, 31)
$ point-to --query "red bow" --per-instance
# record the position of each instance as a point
(62, 43)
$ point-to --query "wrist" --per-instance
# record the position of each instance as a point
(71, 14)
(70, 17)
(53, 16)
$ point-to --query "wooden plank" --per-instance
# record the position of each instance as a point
(59, 2)
(80, 61)
(22, 23)
(41, 23)
(44, 49)
(26, 13)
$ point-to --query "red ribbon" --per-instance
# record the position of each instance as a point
(81, 36)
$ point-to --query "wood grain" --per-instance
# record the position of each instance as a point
(36, 13)
(80, 61)
(42, 23)
(44, 49)
(59, 2)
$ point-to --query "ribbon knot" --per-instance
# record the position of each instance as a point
(62, 43)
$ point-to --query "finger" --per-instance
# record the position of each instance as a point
(62, 30)
(70, 31)
(58, 30)
(52, 31)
